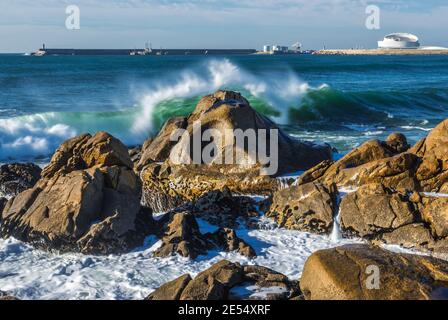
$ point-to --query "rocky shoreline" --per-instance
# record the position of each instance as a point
(98, 197)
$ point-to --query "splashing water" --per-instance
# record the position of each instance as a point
(336, 234)
(39, 135)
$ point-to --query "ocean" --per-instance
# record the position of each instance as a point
(341, 100)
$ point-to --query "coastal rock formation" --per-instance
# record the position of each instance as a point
(182, 236)
(222, 281)
(171, 178)
(87, 200)
(396, 194)
(362, 272)
(307, 207)
(17, 177)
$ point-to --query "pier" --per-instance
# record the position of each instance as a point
(153, 52)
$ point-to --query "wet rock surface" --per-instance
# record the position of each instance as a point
(223, 209)
(222, 282)
(348, 273)
(17, 177)
(182, 236)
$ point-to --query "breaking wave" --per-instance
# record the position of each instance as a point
(281, 95)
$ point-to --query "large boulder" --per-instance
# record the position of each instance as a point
(226, 280)
(362, 272)
(87, 200)
(307, 207)
(169, 172)
(17, 177)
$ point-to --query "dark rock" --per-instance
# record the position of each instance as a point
(135, 153)
(227, 240)
(217, 283)
(17, 177)
(182, 236)
(222, 208)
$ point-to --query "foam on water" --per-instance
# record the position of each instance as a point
(33, 274)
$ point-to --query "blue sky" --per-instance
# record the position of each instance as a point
(26, 24)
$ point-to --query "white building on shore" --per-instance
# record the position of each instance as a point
(399, 41)
(275, 49)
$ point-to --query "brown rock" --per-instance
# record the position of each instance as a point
(411, 236)
(214, 283)
(86, 151)
(435, 212)
(87, 200)
(345, 273)
(220, 111)
(433, 170)
(308, 207)
(314, 173)
(159, 148)
(397, 142)
(171, 290)
(221, 282)
(373, 210)
(397, 172)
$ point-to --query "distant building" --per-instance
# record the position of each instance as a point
(399, 41)
(267, 49)
(275, 49)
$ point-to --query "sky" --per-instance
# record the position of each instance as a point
(26, 24)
